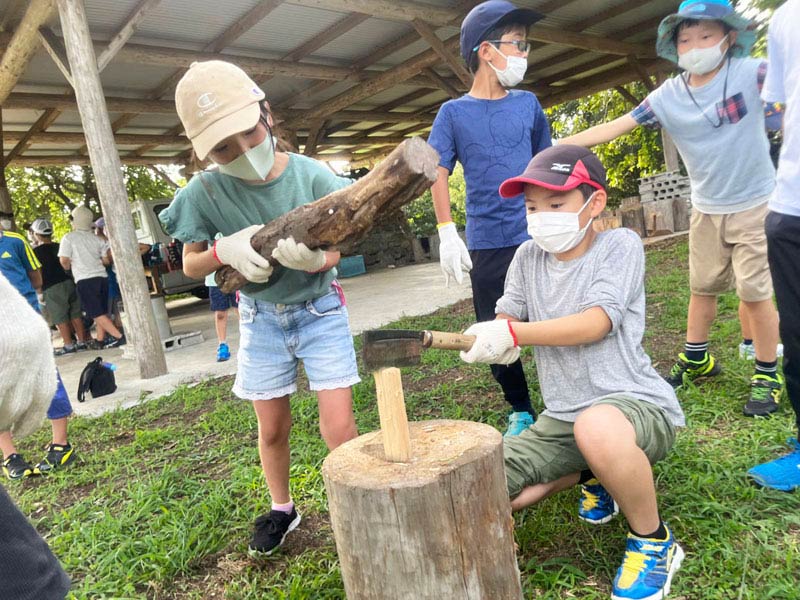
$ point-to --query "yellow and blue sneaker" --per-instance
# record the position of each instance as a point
(688, 370)
(596, 505)
(58, 456)
(16, 467)
(647, 568)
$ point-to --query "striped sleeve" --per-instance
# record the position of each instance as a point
(762, 75)
(27, 254)
(644, 115)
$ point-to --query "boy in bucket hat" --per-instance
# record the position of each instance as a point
(493, 131)
(294, 311)
(713, 111)
(578, 298)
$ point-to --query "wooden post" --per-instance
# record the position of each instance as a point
(438, 527)
(5, 197)
(143, 332)
(392, 412)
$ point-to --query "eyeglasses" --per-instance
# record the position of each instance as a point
(522, 45)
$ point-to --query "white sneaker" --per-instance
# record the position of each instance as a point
(748, 351)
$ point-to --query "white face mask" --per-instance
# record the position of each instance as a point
(513, 73)
(699, 61)
(5, 224)
(557, 232)
(253, 165)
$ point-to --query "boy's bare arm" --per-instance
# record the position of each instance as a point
(586, 327)
(441, 196)
(600, 134)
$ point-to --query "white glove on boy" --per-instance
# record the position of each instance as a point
(235, 250)
(298, 256)
(453, 254)
(495, 343)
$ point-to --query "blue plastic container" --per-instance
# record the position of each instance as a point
(350, 266)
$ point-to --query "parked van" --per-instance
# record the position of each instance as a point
(149, 231)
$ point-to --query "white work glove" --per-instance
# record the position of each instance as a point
(235, 250)
(495, 343)
(298, 256)
(453, 254)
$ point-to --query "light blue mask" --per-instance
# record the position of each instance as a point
(253, 165)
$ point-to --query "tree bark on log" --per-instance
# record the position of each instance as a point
(343, 218)
(438, 527)
(632, 217)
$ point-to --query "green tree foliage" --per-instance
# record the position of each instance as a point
(627, 158)
(54, 191)
(420, 215)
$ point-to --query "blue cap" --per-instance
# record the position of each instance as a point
(488, 15)
(709, 10)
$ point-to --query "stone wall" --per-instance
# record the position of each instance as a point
(389, 243)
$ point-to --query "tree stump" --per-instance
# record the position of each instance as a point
(681, 214)
(632, 217)
(437, 527)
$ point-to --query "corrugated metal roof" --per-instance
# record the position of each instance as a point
(194, 24)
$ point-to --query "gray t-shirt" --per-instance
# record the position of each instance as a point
(610, 275)
(729, 166)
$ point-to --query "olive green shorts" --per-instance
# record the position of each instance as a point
(61, 303)
(547, 450)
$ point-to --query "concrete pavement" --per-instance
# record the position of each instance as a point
(373, 300)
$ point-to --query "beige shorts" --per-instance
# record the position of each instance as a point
(730, 249)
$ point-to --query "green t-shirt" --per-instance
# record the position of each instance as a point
(196, 216)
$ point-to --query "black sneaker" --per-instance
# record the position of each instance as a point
(79, 345)
(765, 393)
(94, 344)
(65, 349)
(58, 456)
(16, 467)
(115, 342)
(270, 531)
(689, 370)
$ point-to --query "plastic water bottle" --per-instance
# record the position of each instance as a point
(110, 366)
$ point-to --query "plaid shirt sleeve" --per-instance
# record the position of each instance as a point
(644, 115)
(762, 75)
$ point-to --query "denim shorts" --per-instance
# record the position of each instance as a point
(273, 338)
(60, 406)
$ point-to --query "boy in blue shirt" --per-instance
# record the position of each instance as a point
(714, 113)
(23, 270)
(493, 132)
(577, 296)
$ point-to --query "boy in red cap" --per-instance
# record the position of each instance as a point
(577, 296)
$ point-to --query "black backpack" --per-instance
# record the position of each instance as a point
(97, 379)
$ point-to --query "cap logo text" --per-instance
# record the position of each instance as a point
(561, 167)
(206, 103)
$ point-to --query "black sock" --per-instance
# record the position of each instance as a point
(747, 342)
(658, 534)
(766, 368)
(696, 351)
(586, 475)
(523, 406)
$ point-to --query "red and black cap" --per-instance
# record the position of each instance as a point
(562, 168)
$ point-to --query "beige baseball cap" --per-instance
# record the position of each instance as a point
(216, 99)
(82, 218)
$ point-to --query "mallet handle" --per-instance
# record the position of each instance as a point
(447, 341)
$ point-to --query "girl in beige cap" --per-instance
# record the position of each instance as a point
(294, 311)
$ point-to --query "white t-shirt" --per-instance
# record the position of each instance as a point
(86, 251)
(783, 85)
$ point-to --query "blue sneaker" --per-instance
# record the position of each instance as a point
(518, 422)
(780, 474)
(647, 568)
(596, 505)
(223, 352)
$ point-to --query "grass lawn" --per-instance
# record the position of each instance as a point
(162, 501)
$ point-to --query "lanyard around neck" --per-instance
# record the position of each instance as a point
(718, 124)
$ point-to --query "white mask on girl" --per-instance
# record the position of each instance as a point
(253, 165)
(514, 72)
(558, 232)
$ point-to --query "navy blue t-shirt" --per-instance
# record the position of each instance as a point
(493, 140)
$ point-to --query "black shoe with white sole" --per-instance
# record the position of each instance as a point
(271, 530)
